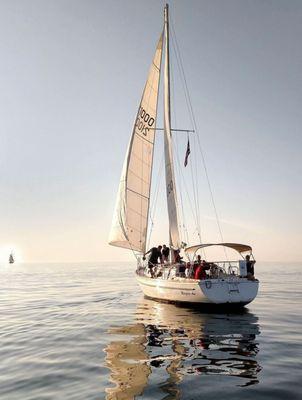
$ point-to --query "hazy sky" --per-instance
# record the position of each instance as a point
(71, 76)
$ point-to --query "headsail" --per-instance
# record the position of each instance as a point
(130, 221)
(170, 178)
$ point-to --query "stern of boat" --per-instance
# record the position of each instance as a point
(229, 291)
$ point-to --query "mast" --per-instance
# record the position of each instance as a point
(170, 176)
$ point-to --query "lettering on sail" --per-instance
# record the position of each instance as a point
(144, 121)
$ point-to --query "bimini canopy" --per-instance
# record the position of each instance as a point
(241, 248)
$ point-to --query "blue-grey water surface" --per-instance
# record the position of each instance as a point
(85, 331)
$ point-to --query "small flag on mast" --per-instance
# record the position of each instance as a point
(187, 153)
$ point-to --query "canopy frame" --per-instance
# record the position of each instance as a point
(239, 247)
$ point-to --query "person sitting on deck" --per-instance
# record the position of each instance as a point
(153, 259)
(165, 253)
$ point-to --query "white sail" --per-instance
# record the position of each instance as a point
(170, 179)
(130, 221)
(11, 258)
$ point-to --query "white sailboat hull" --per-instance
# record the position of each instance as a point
(227, 291)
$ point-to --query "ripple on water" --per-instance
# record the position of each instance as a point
(84, 331)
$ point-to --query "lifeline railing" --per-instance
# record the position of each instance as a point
(214, 269)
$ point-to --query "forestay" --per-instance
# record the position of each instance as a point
(130, 220)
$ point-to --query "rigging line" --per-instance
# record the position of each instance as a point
(195, 186)
(178, 167)
(198, 139)
(153, 217)
(152, 212)
(195, 197)
(182, 81)
(183, 225)
(154, 202)
(196, 183)
(190, 203)
(186, 190)
(192, 112)
(126, 236)
(172, 129)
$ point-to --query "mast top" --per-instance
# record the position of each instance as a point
(166, 13)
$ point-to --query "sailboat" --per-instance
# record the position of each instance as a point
(11, 259)
(224, 282)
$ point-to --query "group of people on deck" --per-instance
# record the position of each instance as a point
(199, 268)
(160, 255)
(193, 270)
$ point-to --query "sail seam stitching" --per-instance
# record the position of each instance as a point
(133, 191)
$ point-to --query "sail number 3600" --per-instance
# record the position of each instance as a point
(144, 121)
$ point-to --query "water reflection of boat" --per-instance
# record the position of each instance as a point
(126, 359)
(174, 342)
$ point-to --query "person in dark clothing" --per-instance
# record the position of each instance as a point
(177, 258)
(165, 253)
(153, 259)
(249, 267)
(181, 270)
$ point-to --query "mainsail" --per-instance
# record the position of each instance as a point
(170, 178)
(130, 221)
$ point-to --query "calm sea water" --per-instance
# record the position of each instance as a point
(85, 332)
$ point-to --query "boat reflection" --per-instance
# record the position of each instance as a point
(169, 342)
(126, 358)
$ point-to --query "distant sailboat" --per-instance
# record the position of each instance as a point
(11, 259)
(225, 282)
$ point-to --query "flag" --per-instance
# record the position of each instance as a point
(187, 153)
